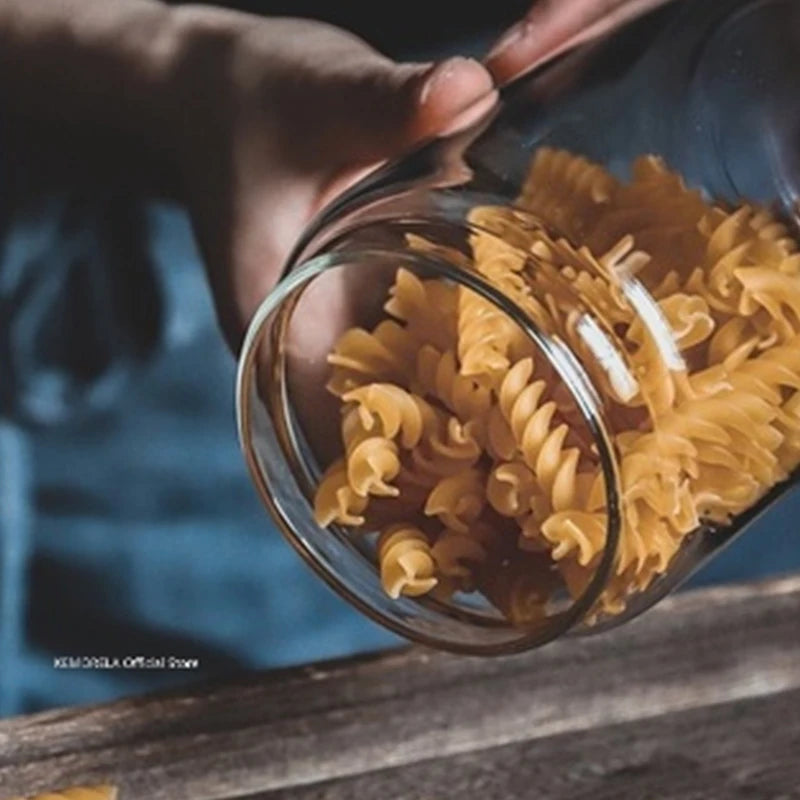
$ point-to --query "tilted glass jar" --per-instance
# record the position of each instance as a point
(587, 378)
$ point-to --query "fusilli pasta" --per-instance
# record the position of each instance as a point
(102, 792)
(686, 316)
(406, 561)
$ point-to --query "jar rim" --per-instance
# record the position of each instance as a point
(558, 355)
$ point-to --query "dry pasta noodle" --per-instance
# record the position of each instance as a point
(407, 563)
(449, 416)
(102, 792)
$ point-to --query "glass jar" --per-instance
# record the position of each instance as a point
(586, 379)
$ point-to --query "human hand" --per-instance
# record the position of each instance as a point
(553, 26)
(277, 116)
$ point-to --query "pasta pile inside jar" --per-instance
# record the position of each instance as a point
(455, 423)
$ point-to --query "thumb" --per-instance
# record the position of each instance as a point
(452, 94)
(393, 106)
(404, 105)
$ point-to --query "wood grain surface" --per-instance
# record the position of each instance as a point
(700, 698)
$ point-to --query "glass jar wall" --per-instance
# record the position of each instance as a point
(526, 380)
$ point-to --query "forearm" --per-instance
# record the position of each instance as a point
(89, 62)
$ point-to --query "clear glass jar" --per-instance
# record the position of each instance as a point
(597, 301)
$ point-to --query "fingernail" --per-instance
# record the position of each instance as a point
(442, 73)
(470, 115)
(512, 37)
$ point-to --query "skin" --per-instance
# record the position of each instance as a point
(554, 26)
(255, 123)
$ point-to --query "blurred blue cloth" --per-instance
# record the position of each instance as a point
(128, 524)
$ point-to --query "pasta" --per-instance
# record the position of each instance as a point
(520, 589)
(512, 489)
(458, 500)
(521, 424)
(458, 554)
(487, 339)
(684, 314)
(102, 792)
(567, 191)
(406, 561)
(398, 412)
(336, 500)
(438, 376)
(451, 448)
(428, 308)
(386, 354)
(372, 458)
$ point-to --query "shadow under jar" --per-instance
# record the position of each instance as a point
(529, 378)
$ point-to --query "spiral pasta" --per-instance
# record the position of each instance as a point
(576, 533)
(460, 555)
(427, 307)
(373, 460)
(458, 500)
(661, 214)
(520, 589)
(566, 191)
(513, 491)
(102, 792)
(406, 562)
(684, 314)
(438, 376)
(336, 500)
(522, 424)
(399, 413)
(451, 447)
(385, 354)
(488, 340)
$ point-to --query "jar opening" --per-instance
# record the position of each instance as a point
(288, 426)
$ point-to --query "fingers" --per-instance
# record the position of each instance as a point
(407, 105)
(453, 95)
(554, 26)
(385, 109)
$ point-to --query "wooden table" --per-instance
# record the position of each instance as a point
(700, 698)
